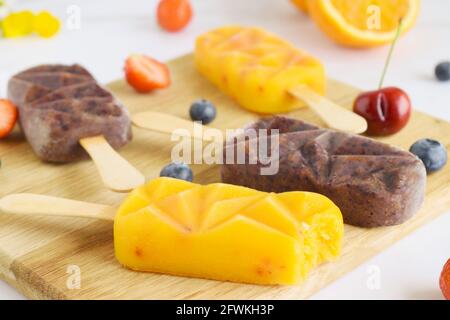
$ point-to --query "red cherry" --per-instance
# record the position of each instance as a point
(387, 110)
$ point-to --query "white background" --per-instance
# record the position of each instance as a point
(112, 29)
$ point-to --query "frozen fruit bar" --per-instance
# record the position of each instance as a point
(59, 105)
(256, 68)
(374, 184)
(225, 232)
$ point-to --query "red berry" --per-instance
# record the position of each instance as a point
(146, 74)
(8, 117)
(387, 111)
(445, 280)
(174, 15)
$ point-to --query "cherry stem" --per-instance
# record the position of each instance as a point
(389, 57)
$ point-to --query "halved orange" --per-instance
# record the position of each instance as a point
(363, 23)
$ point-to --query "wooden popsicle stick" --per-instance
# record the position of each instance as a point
(32, 204)
(116, 172)
(332, 114)
(335, 117)
(165, 123)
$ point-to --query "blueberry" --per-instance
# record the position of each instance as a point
(442, 71)
(179, 171)
(432, 153)
(203, 110)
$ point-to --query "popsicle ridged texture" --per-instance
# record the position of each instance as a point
(225, 232)
(257, 69)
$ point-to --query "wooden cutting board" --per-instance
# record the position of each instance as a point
(42, 256)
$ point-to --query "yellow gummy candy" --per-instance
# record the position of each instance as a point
(18, 24)
(46, 25)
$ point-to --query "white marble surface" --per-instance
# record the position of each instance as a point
(112, 29)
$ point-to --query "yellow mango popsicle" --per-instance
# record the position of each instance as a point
(225, 232)
(257, 69)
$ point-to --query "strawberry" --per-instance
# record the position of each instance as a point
(146, 74)
(8, 117)
(445, 280)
